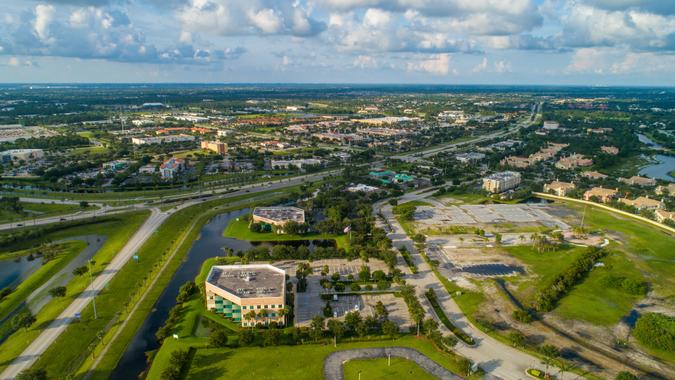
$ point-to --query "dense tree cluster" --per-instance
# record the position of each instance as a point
(548, 297)
(656, 331)
(53, 142)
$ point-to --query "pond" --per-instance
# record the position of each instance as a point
(495, 269)
(660, 169)
(210, 244)
(14, 271)
(647, 141)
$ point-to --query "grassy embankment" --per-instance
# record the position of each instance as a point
(184, 227)
(40, 210)
(64, 253)
(239, 229)
(118, 230)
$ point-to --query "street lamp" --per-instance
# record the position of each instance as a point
(91, 285)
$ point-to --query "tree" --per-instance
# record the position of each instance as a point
(517, 339)
(316, 327)
(218, 338)
(364, 273)
(550, 353)
(271, 337)
(352, 320)
(390, 328)
(23, 320)
(186, 291)
(381, 312)
(337, 329)
(79, 271)
(84, 204)
(417, 315)
(362, 329)
(32, 374)
(59, 291)
(430, 327)
(246, 337)
(624, 375)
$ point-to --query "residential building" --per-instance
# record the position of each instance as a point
(299, 163)
(171, 168)
(663, 215)
(593, 175)
(638, 181)
(666, 190)
(161, 139)
(610, 150)
(641, 203)
(214, 146)
(516, 162)
(251, 294)
(113, 166)
(278, 216)
(551, 125)
(604, 195)
(21, 155)
(559, 188)
(362, 188)
(147, 169)
(470, 157)
(224, 132)
(501, 181)
(573, 161)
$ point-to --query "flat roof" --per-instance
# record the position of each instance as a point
(248, 281)
(280, 213)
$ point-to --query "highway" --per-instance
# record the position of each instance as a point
(32, 353)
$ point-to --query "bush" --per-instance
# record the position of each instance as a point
(32, 374)
(623, 375)
(79, 271)
(59, 291)
(522, 316)
(355, 287)
(656, 331)
(218, 338)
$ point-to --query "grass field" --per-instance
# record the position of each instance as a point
(280, 362)
(238, 229)
(543, 266)
(39, 210)
(118, 231)
(379, 369)
(594, 302)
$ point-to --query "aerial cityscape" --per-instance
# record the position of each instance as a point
(337, 189)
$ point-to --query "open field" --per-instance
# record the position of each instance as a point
(281, 362)
(238, 229)
(379, 369)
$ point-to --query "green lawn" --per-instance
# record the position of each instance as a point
(39, 210)
(118, 230)
(649, 249)
(380, 369)
(594, 302)
(544, 266)
(280, 362)
(238, 229)
(65, 253)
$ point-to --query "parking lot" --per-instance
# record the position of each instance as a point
(428, 216)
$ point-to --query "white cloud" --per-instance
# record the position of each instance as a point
(437, 65)
(44, 15)
(482, 66)
(503, 66)
(364, 62)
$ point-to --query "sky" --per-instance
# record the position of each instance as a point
(588, 42)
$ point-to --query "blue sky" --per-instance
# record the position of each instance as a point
(594, 42)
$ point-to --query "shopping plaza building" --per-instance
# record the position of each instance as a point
(249, 294)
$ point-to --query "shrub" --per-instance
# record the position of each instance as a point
(59, 291)
(522, 316)
(656, 331)
(218, 338)
(355, 287)
(623, 375)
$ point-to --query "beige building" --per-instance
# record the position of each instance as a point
(593, 175)
(214, 146)
(666, 190)
(663, 215)
(573, 161)
(643, 203)
(502, 181)
(610, 150)
(605, 195)
(559, 188)
(639, 181)
(516, 162)
(278, 216)
(251, 294)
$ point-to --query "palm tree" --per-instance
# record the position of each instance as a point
(565, 367)
(251, 315)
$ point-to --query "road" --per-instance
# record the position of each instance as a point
(496, 358)
(31, 354)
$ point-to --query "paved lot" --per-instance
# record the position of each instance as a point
(439, 215)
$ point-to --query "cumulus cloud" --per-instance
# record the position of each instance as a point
(613, 61)
(437, 65)
(96, 33)
(231, 17)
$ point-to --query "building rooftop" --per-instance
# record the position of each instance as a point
(503, 175)
(280, 214)
(248, 281)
